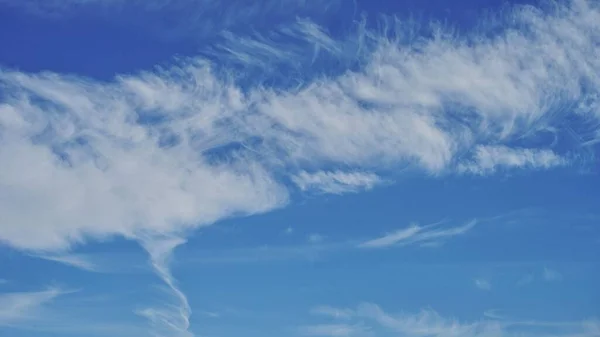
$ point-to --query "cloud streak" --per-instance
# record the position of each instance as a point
(173, 318)
(74, 260)
(415, 234)
(334, 330)
(428, 322)
(483, 284)
(337, 182)
(488, 159)
(21, 307)
(332, 312)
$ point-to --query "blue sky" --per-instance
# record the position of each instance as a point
(188, 168)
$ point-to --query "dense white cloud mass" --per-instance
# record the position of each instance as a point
(77, 161)
(161, 152)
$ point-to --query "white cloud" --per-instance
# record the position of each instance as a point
(173, 317)
(428, 323)
(196, 18)
(118, 179)
(483, 284)
(393, 238)
(315, 238)
(493, 314)
(211, 314)
(337, 182)
(80, 159)
(17, 308)
(490, 158)
(332, 312)
(423, 235)
(74, 260)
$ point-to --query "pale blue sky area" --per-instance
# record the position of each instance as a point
(270, 168)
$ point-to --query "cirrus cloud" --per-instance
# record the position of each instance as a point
(174, 149)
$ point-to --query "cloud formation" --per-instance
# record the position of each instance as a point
(74, 260)
(336, 182)
(24, 306)
(415, 234)
(483, 284)
(332, 312)
(374, 320)
(173, 317)
(488, 159)
(153, 155)
(170, 150)
(196, 19)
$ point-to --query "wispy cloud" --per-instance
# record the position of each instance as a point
(332, 312)
(197, 19)
(430, 323)
(488, 159)
(172, 318)
(426, 323)
(74, 260)
(483, 284)
(416, 234)
(393, 238)
(337, 182)
(24, 307)
(547, 275)
(262, 254)
(213, 148)
(493, 314)
(210, 314)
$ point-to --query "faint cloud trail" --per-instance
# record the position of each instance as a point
(173, 319)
